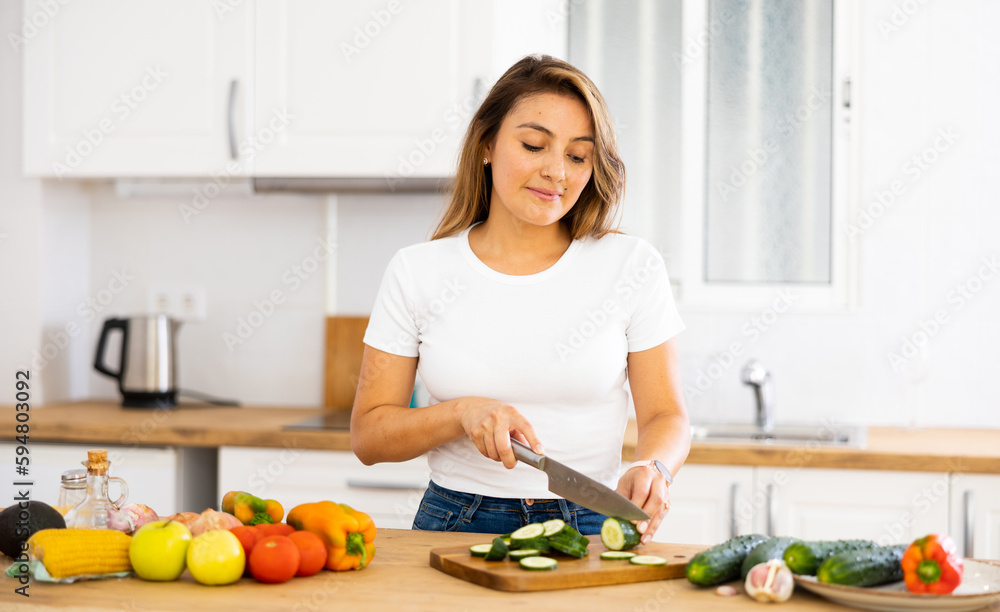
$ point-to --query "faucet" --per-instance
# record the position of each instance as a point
(755, 375)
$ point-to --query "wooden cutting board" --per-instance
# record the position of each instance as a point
(344, 349)
(590, 571)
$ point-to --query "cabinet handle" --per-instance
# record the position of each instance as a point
(772, 500)
(969, 531)
(354, 483)
(231, 120)
(734, 525)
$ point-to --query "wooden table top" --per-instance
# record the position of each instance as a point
(399, 578)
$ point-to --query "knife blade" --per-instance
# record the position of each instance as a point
(578, 488)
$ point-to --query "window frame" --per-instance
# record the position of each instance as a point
(693, 291)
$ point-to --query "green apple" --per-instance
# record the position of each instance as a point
(159, 550)
(216, 557)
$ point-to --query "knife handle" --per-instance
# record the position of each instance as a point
(523, 453)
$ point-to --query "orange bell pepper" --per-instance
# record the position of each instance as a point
(349, 535)
(252, 510)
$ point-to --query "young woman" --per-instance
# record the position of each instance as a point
(526, 314)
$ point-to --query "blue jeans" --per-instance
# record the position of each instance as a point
(442, 509)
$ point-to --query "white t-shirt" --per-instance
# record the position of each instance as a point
(552, 344)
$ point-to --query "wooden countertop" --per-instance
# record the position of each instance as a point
(106, 422)
(399, 578)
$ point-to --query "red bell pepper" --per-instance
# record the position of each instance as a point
(931, 565)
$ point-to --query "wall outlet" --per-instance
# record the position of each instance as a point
(182, 302)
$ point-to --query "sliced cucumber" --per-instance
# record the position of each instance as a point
(517, 555)
(480, 550)
(570, 549)
(648, 560)
(617, 554)
(553, 527)
(528, 532)
(619, 534)
(541, 543)
(538, 563)
(498, 550)
(571, 537)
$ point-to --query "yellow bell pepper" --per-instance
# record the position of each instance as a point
(349, 535)
(252, 510)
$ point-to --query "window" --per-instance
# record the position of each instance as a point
(733, 123)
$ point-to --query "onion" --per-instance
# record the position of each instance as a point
(211, 520)
(184, 518)
(131, 517)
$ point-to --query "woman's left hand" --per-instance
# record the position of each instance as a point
(647, 489)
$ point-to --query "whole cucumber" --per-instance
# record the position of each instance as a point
(722, 562)
(805, 557)
(771, 548)
(864, 567)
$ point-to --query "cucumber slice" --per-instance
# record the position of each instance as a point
(617, 554)
(553, 527)
(517, 555)
(538, 563)
(539, 543)
(498, 550)
(568, 549)
(648, 560)
(480, 550)
(528, 532)
(570, 537)
(618, 534)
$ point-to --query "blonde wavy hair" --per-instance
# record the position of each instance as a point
(596, 211)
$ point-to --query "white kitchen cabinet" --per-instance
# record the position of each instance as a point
(822, 504)
(385, 90)
(975, 514)
(373, 89)
(167, 479)
(389, 492)
(708, 504)
(114, 88)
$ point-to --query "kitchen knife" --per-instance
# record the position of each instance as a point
(578, 488)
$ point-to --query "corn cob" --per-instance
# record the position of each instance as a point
(81, 552)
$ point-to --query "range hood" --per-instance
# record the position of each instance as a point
(350, 185)
(128, 187)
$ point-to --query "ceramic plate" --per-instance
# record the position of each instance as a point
(980, 587)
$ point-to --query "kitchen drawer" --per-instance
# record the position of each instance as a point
(389, 492)
(707, 505)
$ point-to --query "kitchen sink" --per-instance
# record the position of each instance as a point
(845, 436)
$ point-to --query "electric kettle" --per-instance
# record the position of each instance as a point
(147, 365)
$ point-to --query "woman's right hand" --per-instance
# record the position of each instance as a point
(490, 423)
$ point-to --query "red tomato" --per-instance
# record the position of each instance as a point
(274, 559)
(312, 552)
(266, 529)
(248, 537)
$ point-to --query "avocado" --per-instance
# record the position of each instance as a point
(15, 528)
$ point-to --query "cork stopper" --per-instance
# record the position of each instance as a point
(97, 462)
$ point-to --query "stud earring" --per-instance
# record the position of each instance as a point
(486, 162)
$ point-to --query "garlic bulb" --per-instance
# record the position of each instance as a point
(770, 581)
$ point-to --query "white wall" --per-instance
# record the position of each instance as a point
(59, 244)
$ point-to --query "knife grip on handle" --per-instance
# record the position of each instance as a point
(523, 453)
